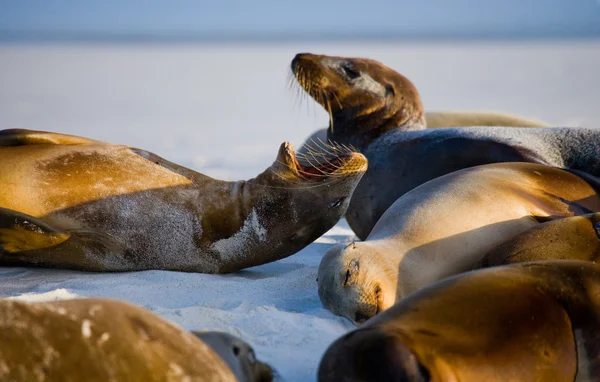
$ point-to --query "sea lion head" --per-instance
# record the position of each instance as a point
(363, 97)
(238, 355)
(354, 282)
(371, 354)
(298, 199)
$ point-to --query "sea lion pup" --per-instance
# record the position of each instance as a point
(537, 321)
(104, 339)
(72, 202)
(445, 227)
(379, 111)
(238, 355)
(574, 238)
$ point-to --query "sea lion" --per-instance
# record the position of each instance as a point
(101, 340)
(379, 111)
(238, 355)
(445, 227)
(537, 321)
(72, 202)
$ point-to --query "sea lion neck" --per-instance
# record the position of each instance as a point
(361, 131)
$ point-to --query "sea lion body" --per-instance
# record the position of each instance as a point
(444, 227)
(97, 206)
(99, 340)
(537, 321)
(379, 111)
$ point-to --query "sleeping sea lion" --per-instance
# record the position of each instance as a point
(109, 340)
(536, 321)
(444, 227)
(72, 202)
(379, 111)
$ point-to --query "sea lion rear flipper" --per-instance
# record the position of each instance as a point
(22, 137)
(21, 232)
(27, 240)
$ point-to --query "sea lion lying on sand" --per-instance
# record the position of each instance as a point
(444, 227)
(72, 202)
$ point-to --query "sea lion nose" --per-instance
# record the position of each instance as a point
(297, 58)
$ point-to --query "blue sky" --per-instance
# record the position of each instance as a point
(302, 17)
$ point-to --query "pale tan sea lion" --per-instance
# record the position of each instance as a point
(537, 321)
(71, 202)
(379, 111)
(104, 340)
(444, 227)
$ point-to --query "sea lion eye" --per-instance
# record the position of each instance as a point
(236, 350)
(350, 72)
(348, 274)
(336, 203)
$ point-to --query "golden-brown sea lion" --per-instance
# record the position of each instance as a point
(72, 202)
(574, 238)
(106, 340)
(537, 321)
(379, 111)
(444, 227)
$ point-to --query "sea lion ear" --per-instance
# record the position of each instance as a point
(285, 161)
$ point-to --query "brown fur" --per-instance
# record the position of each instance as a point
(99, 340)
(536, 321)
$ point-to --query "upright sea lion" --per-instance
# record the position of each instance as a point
(379, 111)
(72, 202)
(106, 340)
(537, 321)
(445, 227)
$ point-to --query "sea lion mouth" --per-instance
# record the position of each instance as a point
(373, 310)
(324, 160)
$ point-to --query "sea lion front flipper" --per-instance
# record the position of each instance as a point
(29, 241)
(22, 137)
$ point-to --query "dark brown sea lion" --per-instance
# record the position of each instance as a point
(444, 227)
(72, 202)
(107, 340)
(379, 111)
(537, 321)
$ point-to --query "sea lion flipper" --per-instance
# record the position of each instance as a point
(27, 240)
(21, 232)
(22, 137)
